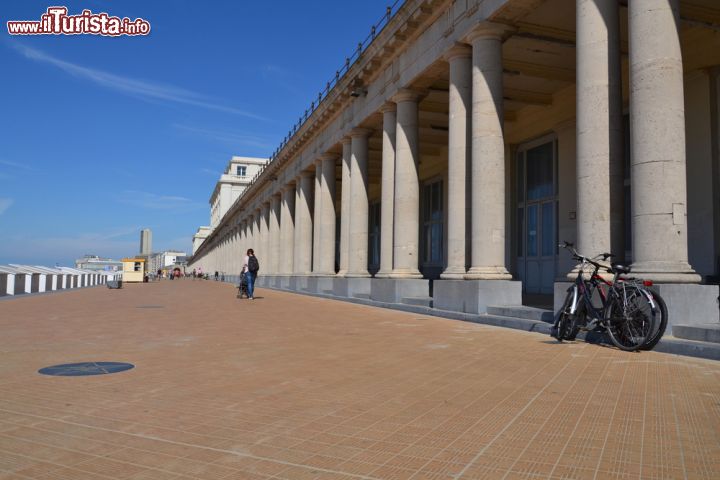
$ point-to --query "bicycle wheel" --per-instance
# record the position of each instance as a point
(660, 313)
(565, 326)
(557, 331)
(629, 323)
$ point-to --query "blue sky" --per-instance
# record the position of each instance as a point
(101, 137)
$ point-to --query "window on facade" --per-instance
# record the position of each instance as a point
(241, 170)
(137, 267)
(432, 224)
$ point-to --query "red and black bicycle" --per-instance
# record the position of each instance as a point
(633, 315)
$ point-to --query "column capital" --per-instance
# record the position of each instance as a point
(305, 174)
(360, 132)
(388, 107)
(407, 95)
(489, 30)
(458, 50)
(328, 156)
(346, 139)
(288, 186)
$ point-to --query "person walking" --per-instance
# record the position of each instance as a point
(250, 268)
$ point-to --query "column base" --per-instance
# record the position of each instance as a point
(406, 273)
(351, 287)
(474, 296)
(690, 304)
(357, 275)
(394, 290)
(320, 284)
(283, 282)
(665, 272)
(454, 273)
(298, 283)
(383, 274)
(498, 273)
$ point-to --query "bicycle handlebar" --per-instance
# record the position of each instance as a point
(582, 258)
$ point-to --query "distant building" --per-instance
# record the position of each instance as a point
(96, 263)
(234, 180)
(199, 237)
(145, 241)
(161, 260)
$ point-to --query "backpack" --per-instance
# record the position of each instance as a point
(253, 264)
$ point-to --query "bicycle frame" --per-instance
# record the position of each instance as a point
(583, 292)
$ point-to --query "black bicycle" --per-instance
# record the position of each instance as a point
(633, 315)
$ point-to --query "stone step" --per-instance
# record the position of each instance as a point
(705, 332)
(521, 311)
(421, 301)
(364, 296)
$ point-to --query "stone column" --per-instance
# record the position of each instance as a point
(274, 254)
(488, 156)
(326, 219)
(287, 229)
(345, 206)
(406, 203)
(303, 225)
(241, 245)
(251, 233)
(657, 116)
(257, 240)
(317, 208)
(263, 243)
(387, 200)
(460, 99)
(599, 129)
(358, 235)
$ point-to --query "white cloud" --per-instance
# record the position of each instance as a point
(16, 165)
(153, 201)
(5, 204)
(138, 88)
(231, 138)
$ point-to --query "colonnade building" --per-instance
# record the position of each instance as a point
(469, 137)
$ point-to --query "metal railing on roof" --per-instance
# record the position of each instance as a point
(340, 73)
(329, 85)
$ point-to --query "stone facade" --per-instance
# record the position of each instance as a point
(470, 137)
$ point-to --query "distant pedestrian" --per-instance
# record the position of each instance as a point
(217, 274)
(251, 267)
(159, 273)
(194, 274)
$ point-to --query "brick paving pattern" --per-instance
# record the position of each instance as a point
(295, 387)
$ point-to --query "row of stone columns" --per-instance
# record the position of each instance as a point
(657, 126)
(307, 247)
(292, 243)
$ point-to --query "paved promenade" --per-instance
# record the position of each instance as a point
(295, 387)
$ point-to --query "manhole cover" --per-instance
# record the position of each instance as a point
(87, 368)
(150, 306)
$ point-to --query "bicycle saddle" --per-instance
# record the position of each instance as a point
(619, 268)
